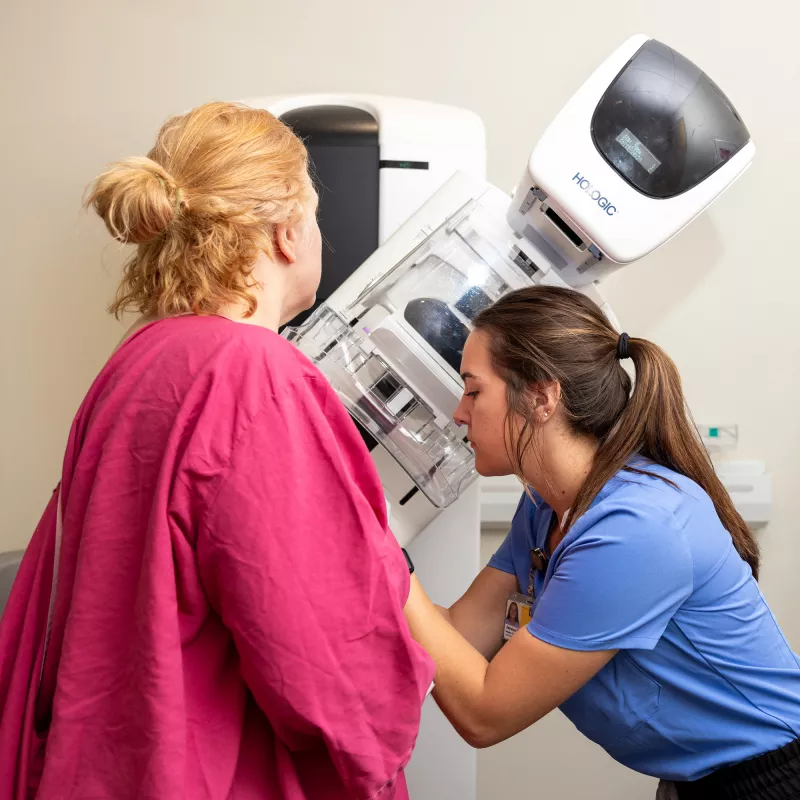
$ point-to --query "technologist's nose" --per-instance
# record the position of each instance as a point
(460, 416)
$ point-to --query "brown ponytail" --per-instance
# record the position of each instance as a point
(546, 333)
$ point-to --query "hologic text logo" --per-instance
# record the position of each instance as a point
(595, 194)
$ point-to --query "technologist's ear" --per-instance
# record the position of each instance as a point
(544, 399)
(287, 239)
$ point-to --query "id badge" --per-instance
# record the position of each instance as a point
(519, 610)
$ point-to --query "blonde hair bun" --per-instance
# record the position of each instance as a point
(201, 207)
(137, 199)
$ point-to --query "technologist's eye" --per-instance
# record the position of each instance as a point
(471, 394)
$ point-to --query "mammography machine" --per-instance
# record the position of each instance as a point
(420, 242)
(643, 147)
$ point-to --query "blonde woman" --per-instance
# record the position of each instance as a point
(212, 483)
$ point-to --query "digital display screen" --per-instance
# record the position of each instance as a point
(636, 149)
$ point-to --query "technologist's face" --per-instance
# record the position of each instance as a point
(483, 407)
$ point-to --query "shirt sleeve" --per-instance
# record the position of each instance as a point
(302, 569)
(618, 585)
(515, 540)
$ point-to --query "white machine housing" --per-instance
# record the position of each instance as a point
(616, 194)
(420, 145)
(390, 337)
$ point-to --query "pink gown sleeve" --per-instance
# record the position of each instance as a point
(297, 559)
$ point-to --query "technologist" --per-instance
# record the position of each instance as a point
(648, 628)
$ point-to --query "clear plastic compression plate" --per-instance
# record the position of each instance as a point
(393, 355)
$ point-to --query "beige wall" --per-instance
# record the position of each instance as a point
(88, 81)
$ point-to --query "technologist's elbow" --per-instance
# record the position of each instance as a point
(483, 733)
(481, 736)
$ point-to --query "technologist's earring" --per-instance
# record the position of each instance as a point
(545, 414)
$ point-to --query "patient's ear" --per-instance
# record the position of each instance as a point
(287, 239)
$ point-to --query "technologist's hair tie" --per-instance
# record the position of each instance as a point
(622, 347)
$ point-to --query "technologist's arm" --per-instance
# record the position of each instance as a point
(489, 702)
(478, 614)
(581, 620)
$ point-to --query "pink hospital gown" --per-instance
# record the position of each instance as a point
(229, 619)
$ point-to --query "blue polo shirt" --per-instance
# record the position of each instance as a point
(704, 677)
